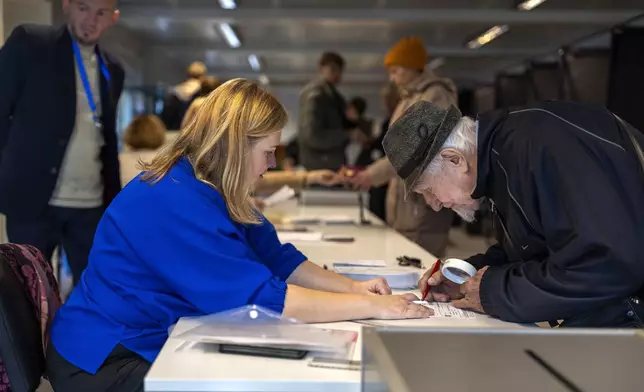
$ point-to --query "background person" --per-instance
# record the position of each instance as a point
(184, 240)
(405, 63)
(181, 96)
(208, 85)
(59, 165)
(322, 126)
(142, 138)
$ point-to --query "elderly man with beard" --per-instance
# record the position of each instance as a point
(565, 182)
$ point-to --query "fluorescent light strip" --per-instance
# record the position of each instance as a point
(228, 4)
(253, 60)
(436, 63)
(488, 36)
(530, 4)
(229, 35)
(163, 24)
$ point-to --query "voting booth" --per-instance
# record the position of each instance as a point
(527, 360)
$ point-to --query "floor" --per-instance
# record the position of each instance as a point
(461, 246)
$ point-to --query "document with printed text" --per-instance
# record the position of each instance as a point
(443, 309)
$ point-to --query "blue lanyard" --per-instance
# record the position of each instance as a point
(88, 88)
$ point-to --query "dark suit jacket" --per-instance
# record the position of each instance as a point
(37, 116)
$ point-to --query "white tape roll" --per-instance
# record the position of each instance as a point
(457, 270)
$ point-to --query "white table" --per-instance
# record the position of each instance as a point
(372, 242)
(192, 371)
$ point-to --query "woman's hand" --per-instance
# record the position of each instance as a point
(377, 286)
(322, 177)
(393, 307)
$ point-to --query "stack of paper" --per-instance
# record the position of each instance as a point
(399, 279)
(283, 194)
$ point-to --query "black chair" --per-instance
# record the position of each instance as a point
(21, 348)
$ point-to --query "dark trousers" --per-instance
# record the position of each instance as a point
(72, 228)
(122, 371)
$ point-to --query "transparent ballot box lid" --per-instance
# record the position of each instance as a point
(258, 327)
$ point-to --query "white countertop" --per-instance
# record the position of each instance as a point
(372, 242)
(195, 370)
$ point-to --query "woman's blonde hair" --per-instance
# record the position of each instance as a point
(218, 141)
(146, 132)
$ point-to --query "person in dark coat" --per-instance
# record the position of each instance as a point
(566, 184)
(178, 100)
(59, 165)
(322, 125)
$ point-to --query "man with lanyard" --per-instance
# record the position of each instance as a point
(58, 145)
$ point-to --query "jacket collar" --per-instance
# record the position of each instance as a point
(326, 86)
(419, 84)
(488, 125)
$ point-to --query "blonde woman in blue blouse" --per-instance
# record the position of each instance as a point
(183, 239)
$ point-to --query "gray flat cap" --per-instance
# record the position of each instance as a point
(416, 137)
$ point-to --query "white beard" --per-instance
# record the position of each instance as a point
(467, 214)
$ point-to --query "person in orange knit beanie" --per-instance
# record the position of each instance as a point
(407, 53)
(406, 62)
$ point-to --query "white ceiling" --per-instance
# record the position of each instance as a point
(289, 35)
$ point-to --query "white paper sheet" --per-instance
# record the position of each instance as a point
(283, 194)
(447, 310)
(444, 315)
(293, 236)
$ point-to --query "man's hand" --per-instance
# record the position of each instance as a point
(360, 181)
(441, 289)
(322, 177)
(377, 286)
(471, 293)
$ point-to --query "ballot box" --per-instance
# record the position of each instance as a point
(333, 197)
(527, 360)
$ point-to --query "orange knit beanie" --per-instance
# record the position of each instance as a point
(409, 53)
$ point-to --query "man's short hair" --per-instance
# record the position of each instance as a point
(332, 58)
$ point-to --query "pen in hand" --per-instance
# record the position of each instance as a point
(437, 265)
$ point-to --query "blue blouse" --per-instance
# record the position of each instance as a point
(164, 251)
